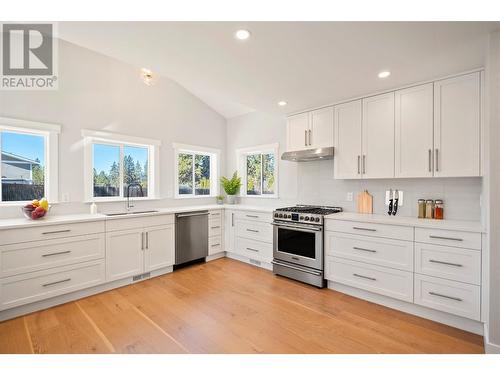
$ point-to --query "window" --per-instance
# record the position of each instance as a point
(28, 156)
(259, 171)
(196, 171)
(120, 166)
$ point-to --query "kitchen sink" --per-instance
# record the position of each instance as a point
(131, 213)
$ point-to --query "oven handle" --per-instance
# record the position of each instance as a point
(296, 268)
(302, 228)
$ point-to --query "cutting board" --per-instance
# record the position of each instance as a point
(365, 203)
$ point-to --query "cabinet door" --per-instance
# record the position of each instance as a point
(457, 111)
(378, 136)
(297, 132)
(347, 153)
(159, 247)
(321, 128)
(414, 131)
(229, 231)
(124, 254)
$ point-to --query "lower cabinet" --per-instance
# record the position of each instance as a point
(132, 252)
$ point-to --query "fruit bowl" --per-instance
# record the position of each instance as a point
(35, 210)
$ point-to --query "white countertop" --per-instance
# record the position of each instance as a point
(461, 225)
(22, 222)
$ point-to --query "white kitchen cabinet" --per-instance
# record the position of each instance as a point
(377, 159)
(414, 131)
(229, 231)
(124, 253)
(347, 125)
(320, 131)
(310, 130)
(297, 132)
(457, 126)
(159, 247)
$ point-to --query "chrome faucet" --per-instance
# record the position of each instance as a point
(129, 206)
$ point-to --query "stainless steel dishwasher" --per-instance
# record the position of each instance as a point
(191, 236)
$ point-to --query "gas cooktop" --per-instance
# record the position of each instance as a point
(304, 214)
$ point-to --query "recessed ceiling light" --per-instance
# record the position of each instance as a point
(242, 34)
(384, 74)
(282, 103)
(147, 77)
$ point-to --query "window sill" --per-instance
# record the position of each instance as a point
(119, 199)
(194, 196)
(259, 196)
(21, 203)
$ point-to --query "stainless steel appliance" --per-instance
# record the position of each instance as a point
(309, 155)
(298, 242)
(191, 236)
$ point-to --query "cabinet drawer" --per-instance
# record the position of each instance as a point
(214, 227)
(48, 232)
(214, 245)
(254, 249)
(469, 240)
(32, 287)
(370, 229)
(449, 296)
(387, 281)
(380, 251)
(214, 214)
(254, 230)
(254, 216)
(448, 263)
(138, 222)
(35, 256)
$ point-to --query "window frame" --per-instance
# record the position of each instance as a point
(50, 132)
(241, 157)
(91, 137)
(214, 154)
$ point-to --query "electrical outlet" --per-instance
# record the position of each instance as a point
(400, 197)
(349, 196)
(65, 197)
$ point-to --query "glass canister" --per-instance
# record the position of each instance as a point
(429, 209)
(438, 209)
(421, 208)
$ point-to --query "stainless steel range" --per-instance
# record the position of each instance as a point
(298, 242)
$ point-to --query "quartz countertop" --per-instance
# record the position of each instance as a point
(460, 225)
(22, 222)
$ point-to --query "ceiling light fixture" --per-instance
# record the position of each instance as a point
(147, 77)
(242, 34)
(282, 103)
(384, 74)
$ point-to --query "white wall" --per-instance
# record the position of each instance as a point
(97, 92)
(313, 182)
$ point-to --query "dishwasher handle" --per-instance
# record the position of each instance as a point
(192, 214)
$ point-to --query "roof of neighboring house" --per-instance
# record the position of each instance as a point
(19, 158)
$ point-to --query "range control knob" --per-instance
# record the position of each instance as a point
(280, 215)
(302, 218)
(275, 215)
(306, 218)
(317, 220)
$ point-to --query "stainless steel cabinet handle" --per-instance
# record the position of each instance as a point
(147, 240)
(295, 268)
(310, 133)
(447, 263)
(362, 249)
(364, 164)
(445, 238)
(252, 230)
(232, 219)
(359, 162)
(195, 214)
(58, 253)
(215, 214)
(367, 229)
(430, 160)
(445, 296)
(215, 244)
(57, 231)
(364, 277)
(437, 160)
(215, 227)
(252, 216)
(249, 248)
(56, 282)
(305, 137)
(142, 241)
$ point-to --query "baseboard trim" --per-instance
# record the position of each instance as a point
(215, 256)
(489, 347)
(465, 324)
(65, 298)
(253, 262)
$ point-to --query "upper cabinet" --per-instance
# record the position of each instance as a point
(414, 131)
(347, 154)
(457, 126)
(377, 132)
(310, 130)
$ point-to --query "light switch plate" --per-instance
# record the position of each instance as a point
(387, 197)
(65, 197)
(349, 196)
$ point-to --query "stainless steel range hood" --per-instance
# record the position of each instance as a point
(309, 155)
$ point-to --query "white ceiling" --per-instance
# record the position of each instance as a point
(308, 64)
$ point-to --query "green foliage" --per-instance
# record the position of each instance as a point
(231, 186)
(38, 174)
(132, 172)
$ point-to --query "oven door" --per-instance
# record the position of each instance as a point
(299, 243)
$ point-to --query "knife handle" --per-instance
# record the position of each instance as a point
(390, 206)
(395, 208)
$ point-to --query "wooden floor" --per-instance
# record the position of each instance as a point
(226, 306)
